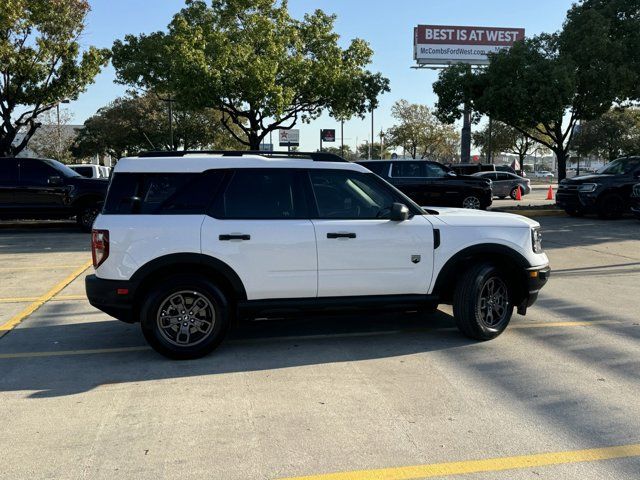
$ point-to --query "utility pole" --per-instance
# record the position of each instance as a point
(490, 152)
(342, 138)
(372, 138)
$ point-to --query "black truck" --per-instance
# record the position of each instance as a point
(36, 188)
(430, 183)
(607, 192)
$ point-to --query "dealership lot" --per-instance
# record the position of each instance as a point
(84, 397)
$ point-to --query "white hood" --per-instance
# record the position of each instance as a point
(464, 217)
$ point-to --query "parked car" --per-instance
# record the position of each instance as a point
(91, 171)
(635, 201)
(506, 184)
(547, 175)
(36, 188)
(264, 238)
(471, 168)
(607, 193)
(432, 184)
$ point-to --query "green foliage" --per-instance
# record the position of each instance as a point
(129, 125)
(420, 133)
(615, 134)
(41, 63)
(376, 151)
(506, 139)
(347, 154)
(253, 61)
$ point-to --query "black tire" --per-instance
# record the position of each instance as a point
(467, 305)
(86, 216)
(610, 206)
(166, 340)
(471, 202)
(574, 212)
(513, 193)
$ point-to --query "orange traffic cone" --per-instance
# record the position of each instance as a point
(550, 193)
(518, 194)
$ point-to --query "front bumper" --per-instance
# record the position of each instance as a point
(113, 297)
(537, 277)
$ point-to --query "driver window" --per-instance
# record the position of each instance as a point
(434, 170)
(350, 195)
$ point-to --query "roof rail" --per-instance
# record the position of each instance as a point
(315, 156)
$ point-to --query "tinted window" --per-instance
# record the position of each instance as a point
(8, 171)
(84, 171)
(350, 195)
(162, 193)
(36, 172)
(621, 166)
(504, 176)
(379, 168)
(261, 194)
(408, 169)
(435, 170)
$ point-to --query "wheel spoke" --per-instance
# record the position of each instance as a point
(186, 318)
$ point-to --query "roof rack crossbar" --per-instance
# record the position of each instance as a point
(315, 156)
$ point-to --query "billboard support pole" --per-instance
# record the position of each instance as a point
(342, 138)
(320, 139)
(490, 153)
(465, 137)
(372, 136)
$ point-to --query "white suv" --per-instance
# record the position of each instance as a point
(188, 243)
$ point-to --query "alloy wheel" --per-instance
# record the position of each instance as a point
(471, 202)
(494, 302)
(185, 318)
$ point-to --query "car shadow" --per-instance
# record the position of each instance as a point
(266, 345)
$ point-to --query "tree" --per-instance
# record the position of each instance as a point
(376, 152)
(54, 138)
(40, 63)
(615, 134)
(420, 133)
(505, 139)
(537, 88)
(251, 60)
(348, 153)
(130, 124)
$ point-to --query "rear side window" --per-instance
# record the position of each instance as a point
(84, 171)
(8, 172)
(379, 168)
(162, 193)
(262, 194)
(408, 170)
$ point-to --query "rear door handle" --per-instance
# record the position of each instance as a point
(341, 235)
(241, 236)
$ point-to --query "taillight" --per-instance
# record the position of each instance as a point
(99, 246)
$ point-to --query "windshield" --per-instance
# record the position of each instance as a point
(62, 168)
(620, 166)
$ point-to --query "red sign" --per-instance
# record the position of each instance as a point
(328, 135)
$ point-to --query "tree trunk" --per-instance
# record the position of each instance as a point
(561, 156)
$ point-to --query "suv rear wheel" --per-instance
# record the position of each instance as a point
(482, 304)
(185, 317)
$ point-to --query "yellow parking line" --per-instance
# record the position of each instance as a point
(19, 317)
(37, 267)
(478, 466)
(58, 298)
(62, 353)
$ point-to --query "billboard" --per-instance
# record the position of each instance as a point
(289, 138)
(328, 135)
(443, 45)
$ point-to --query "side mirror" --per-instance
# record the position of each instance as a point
(55, 181)
(451, 173)
(399, 212)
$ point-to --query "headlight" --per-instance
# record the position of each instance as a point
(588, 187)
(536, 239)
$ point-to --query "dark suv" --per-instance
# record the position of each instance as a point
(635, 201)
(37, 188)
(432, 184)
(607, 192)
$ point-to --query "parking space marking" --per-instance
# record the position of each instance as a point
(480, 466)
(19, 317)
(245, 341)
(63, 353)
(57, 298)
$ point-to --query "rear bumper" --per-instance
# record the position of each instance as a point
(113, 297)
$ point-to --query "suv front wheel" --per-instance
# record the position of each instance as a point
(185, 317)
(482, 304)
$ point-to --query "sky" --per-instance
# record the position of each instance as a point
(386, 25)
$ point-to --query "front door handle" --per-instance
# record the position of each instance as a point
(341, 235)
(240, 236)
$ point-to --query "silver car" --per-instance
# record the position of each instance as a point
(506, 184)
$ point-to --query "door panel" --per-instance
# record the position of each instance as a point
(35, 195)
(378, 261)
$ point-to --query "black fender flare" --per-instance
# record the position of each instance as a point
(487, 250)
(194, 259)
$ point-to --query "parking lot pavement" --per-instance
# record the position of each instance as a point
(83, 397)
(536, 198)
